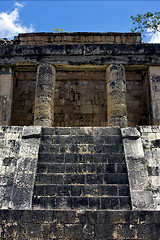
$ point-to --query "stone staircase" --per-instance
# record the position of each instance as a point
(81, 168)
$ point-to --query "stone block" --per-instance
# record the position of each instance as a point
(136, 163)
(31, 132)
(89, 39)
(154, 70)
(123, 190)
(73, 49)
(73, 231)
(21, 198)
(130, 132)
(142, 200)
(133, 147)
(118, 39)
(56, 230)
(97, 38)
(109, 203)
(126, 231)
(114, 178)
(139, 180)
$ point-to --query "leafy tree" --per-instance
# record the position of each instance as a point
(58, 30)
(146, 23)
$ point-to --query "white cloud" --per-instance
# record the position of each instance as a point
(155, 38)
(10, 24)
(19, 4)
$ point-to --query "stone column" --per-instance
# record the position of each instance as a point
(6, 90)
(154, 81)
(116, 95)
(44, 96)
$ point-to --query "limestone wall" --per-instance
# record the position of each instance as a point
(137, 98)
(6, 88)
(23, 98)
(80, 99)
(18, 162)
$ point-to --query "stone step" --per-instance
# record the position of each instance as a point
(81, 158)
(80, 225)
(66, 202)
(102, 131)
(86, 139)
(81, 148)
(61, 178)
(81, 168)
(81, 190)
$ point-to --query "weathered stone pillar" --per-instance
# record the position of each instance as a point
(154, 81)
(116, 99)
(44, 96)
(6, 90)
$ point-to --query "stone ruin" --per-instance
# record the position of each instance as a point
(79, 137)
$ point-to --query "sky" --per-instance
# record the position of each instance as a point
(73, 16)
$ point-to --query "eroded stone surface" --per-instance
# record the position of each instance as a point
(142, 151)
(44, 97)
(130, 132)
(79, 224)
(6, 87)
(18, 163)
(31, 132)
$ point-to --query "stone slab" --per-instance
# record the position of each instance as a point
(31, 132)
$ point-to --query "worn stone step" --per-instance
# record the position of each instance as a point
(80, 225)
(81, 158)
(81, 202)
(81, 168)
(81, 190)
(81, 131)
(73, 139)
(61, 178)
(67, 139)
(81, 148)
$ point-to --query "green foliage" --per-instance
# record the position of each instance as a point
(58, 30)
(144, 22)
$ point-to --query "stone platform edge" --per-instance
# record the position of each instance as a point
(48, 224)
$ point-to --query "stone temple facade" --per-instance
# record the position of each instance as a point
(79, 137)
